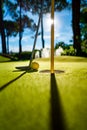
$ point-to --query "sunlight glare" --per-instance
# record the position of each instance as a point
(50, 21)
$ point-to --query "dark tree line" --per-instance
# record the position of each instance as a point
(17, 10)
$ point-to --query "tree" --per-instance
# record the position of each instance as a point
(83, 26)
(83, 23)
(2, 31)
(42, 30)
(76, 25)
(19, 9)
(77, 7)
(62, 44)
(20, 27)
(5, 6)
(11, 29)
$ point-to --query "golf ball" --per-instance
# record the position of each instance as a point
(34, 65)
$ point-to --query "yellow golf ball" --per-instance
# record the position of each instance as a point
(34, 65)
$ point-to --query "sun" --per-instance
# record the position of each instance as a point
(50, 21)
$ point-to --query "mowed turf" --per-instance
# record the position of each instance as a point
(44, 101)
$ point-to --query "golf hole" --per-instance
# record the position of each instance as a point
(55, 71)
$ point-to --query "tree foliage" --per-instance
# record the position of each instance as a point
(83, 23)
(17, 10)
(43, 7)
(13, 8)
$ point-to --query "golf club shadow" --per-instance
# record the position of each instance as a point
(57, 113)
(20, 68)
(13, 80)
(24, 68)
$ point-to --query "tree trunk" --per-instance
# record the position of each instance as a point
(8, 44)
(76, 26)
(20, 32)
(42, 30)
(2, 30)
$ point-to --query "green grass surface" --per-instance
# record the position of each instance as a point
(4, 59)
(41, 101)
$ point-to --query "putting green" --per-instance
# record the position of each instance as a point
(41, 101)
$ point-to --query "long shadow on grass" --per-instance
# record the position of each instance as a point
(57, 114)
(13, 80)
(19, 69)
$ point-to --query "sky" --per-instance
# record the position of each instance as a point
(63, 32)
